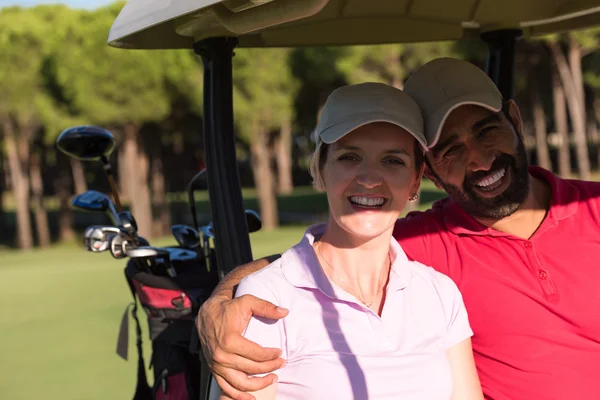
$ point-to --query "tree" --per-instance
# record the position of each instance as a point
(578, 45)
(118, 90)
(24, 38)
(264, 92)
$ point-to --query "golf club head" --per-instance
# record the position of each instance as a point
(147, 251)
(155, 257)
(94, 201)
(118, 246)
(96, 238)
(87, 143)
(177, 254)
(128, 223)
(253, 220)
(186, 236)
(207, 231)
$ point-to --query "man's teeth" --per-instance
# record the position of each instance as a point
(490, 180)
(367, 201)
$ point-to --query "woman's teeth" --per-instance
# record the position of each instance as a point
(367, 201)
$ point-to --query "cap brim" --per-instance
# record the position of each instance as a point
(336, 132)
(434, 124)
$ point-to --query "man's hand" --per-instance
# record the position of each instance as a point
(230, 356)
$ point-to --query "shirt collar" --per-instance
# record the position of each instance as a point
(563, 204)
(301, 267)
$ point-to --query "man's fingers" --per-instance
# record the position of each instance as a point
(229, 391)
(239, 381)
(246, 348)
(264, 308)
(238, 363)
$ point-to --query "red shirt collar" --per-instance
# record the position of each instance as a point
(564, 203)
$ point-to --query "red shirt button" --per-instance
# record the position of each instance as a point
(543, 274)
(528, 245)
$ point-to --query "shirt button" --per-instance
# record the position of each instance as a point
(543, 274)
(528, 245)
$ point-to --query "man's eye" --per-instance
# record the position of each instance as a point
(486, 130)
(451, 150)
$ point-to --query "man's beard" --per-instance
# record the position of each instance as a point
(504, 204)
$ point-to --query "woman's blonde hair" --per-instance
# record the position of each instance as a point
(315, 164)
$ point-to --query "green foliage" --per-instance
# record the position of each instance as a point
(264, 90)
(27, 37)
(389, 64)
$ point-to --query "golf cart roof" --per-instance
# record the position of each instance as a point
(171, 24)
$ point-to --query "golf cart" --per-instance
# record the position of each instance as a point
(214, 28)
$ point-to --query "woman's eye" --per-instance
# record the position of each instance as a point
(394, 161)
(348, 157)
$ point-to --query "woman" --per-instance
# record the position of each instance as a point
(364, 321)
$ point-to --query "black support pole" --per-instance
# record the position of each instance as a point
(500, 64)
(232, 240)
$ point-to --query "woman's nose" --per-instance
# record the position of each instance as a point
(369, 178)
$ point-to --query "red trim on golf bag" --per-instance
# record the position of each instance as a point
(161, 298)
(179, 393)
(170, 305)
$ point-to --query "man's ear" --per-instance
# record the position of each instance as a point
(431, 176)
(515, 117)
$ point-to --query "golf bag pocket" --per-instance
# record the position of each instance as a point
(170, 305)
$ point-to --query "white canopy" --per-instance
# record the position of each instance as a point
(164, 24)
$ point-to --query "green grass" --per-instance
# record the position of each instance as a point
(61, 310)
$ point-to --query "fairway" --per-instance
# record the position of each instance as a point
(61, 310)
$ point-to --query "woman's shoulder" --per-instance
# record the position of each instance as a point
(271, 278)
(432, 277)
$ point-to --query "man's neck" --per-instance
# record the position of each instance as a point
(527, 219)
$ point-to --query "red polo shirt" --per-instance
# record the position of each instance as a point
(534, 305)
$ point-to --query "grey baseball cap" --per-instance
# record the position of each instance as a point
(444, 84)
(350, 107)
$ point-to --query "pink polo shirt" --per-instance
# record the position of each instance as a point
(338, 349)
(534, 305)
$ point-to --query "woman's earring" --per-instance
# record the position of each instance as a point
(414, 197)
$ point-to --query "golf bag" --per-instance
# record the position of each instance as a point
(171, 305)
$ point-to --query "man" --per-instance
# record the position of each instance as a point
(519, 242)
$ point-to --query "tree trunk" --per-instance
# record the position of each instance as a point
(576, 108)
(284, 158)
(575, 56)
(159, 197)
(539, 120)
(2, 189)
(592, 129)
(37, 200)
(20, 184)
(78, 176)
(137, 170)
(560, 122)
(264, 182)
(65, 218)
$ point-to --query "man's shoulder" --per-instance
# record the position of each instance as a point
(421, 221)
(591, 187)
